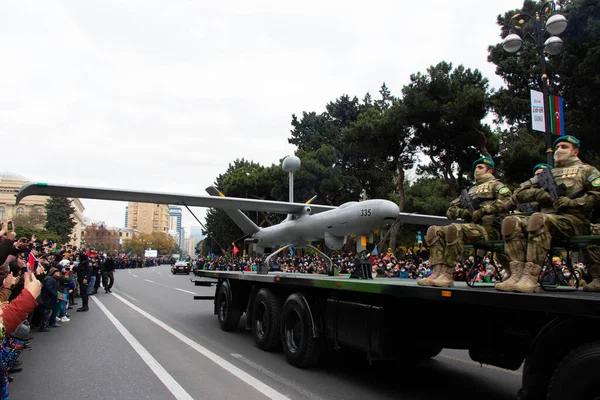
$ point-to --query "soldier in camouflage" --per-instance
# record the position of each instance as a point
(524, 206)
(446, 243)
(568, 215)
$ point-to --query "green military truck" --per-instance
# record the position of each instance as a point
(555, 334)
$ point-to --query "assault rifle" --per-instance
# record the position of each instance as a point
(467, 202)
(546, 181)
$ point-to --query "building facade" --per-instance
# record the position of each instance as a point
(10, 184)
(148, 218)
(175, 229)
(189, 246)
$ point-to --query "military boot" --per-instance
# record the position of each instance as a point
(529, 281)
(445, 277)
(435, 272)
(594, 285)
(516, 272)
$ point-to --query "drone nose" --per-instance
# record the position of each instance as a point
(390, 210)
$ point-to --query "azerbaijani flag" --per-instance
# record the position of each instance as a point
(557, 115)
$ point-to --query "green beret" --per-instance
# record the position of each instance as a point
(484, 160)
(568, 138)
(540, 165)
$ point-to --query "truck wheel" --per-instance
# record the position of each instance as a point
(577, 375)
(300, 348)
(229, 315)
(266, 320)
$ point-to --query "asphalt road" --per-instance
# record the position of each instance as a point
(151, 340)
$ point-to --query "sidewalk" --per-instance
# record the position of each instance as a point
(84, 358)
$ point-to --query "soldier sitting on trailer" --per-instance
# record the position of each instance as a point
(483, 205)
(569, 214)
(523, 200)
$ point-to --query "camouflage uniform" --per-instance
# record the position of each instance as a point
(446, 243)
(523, 200)
(529, 240)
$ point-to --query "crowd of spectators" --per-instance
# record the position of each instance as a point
(409, 264)
(38, 285)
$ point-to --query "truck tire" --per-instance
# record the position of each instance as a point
(266, 320)
(227, 313)
(299, 346)
(577, 376)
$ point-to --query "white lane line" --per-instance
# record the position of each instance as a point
(162, 374)
(226, 365)
(148, 280)
(185, 291)
(128, 296)
(306, 393)
(134, 275)
(169, 276)
(160, 273)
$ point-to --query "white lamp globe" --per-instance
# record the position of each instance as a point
(553, 45)
(556, 24)
(512, 43)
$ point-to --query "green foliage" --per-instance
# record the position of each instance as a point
(573, 74)
(59, 217)
(40, 234)
(445, 107)
(429, 196)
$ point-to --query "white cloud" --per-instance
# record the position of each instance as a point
(162, 96)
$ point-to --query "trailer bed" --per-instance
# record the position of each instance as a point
(576, 302)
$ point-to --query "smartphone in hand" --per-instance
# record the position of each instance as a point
(10, 226)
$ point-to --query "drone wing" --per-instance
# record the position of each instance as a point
(227, 203)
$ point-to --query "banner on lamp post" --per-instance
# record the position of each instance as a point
(538, 120)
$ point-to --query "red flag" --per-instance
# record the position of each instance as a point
(31, 261)
(235, 249)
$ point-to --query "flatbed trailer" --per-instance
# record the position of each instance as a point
(555, 334)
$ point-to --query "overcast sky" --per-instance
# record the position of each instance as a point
(163, 95)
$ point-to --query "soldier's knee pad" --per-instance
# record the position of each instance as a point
(432, 235)
(452, 234)
(536, 224)
(510, 227)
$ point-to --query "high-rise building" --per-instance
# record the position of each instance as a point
(148, 218)
(175, 230)
(126, 215)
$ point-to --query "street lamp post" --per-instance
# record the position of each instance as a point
(543, 22)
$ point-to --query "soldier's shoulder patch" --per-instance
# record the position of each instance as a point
(592, 177)
(498, 186)
(596, 182)
(504, 190)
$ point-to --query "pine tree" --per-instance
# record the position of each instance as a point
(59, 217)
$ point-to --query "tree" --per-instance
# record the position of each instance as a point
(31, 219)
(445, 108)
(160, 241)
(100, 238)
(573, 75)
(59, 217)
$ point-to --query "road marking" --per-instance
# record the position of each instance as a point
(306, 393)
(162, 374)
(186, 291)
(479, 364)
(128, 296)
(134, 275)
(160, 273)
(148, 280)
(169, 276)
(226, 365)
